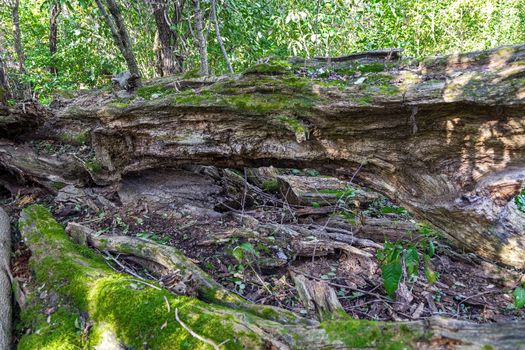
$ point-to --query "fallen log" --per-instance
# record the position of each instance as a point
(6, 296)
(444, 138)
(76, 300)
(169, 259)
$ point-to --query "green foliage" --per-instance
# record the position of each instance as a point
(520, 200)
(271, 185)
(396, 259)
(87, 56)
(519, 297)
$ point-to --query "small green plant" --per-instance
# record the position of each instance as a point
(396, 259)
(520, 200)
(153, 237)
(519, 297)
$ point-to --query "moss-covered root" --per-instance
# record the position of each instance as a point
(172, 259)
(77, 302)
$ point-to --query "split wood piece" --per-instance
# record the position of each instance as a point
(337, 234)
(48, 170)
(166, 260)
(323, 191)
(134, 311)
(375, 229)
(25, 117)
(318, 297)
(6, 296)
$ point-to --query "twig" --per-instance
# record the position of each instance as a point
(200, 337)
(476, 295)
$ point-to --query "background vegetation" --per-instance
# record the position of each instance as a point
(87, 56)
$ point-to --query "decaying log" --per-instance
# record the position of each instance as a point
(25, 117)
(168, 260)
(6, 296)
(74, 288)
(318, 297)
(51, 171)
(323, 191)
(444, 138)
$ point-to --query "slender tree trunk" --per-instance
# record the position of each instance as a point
(219, 38)
(119, 32)
(5, 91)
(53, 35)
(166, 61)
(18, 37)
(201, 41)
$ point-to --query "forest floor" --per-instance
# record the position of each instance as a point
(231, 224)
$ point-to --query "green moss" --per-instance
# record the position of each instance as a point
(374, 67)
(79, 138)
(57, 185)
(271, 185)
(294, 125)
(136, 313)
(94, 165)
(191, 74)
(273, 67)
(343, 193)
(119, 104)
(370, 334)
(381, 83)
(152, 91)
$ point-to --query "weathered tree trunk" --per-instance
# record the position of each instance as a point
(17, 36)
(120, 34)
(218, 34)
(445, 138)
(5, 90)
(167, 62)
(53, 35)
(6, 296)
(201, 40)
(76, 300)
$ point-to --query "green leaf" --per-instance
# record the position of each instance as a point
(431, 248)
(238, 254)
(431, 275)
(519, 297)
(412, 261)
(391, 274)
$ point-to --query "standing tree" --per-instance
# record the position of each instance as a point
(167, 62)
(54, 12)
(5, 92)
(219, 38)
(201, 40)
(118, 30)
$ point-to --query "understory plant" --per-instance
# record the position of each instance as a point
(403, 259)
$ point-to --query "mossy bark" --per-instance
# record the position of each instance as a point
(444, 138)
(77, 302)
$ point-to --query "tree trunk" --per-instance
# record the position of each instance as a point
(17, 36)
(53, 35)
(77, 297)
(201, 40)
(444, 138)
(166, 58)
(5, 282)
(218, 33)
(120, 33)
